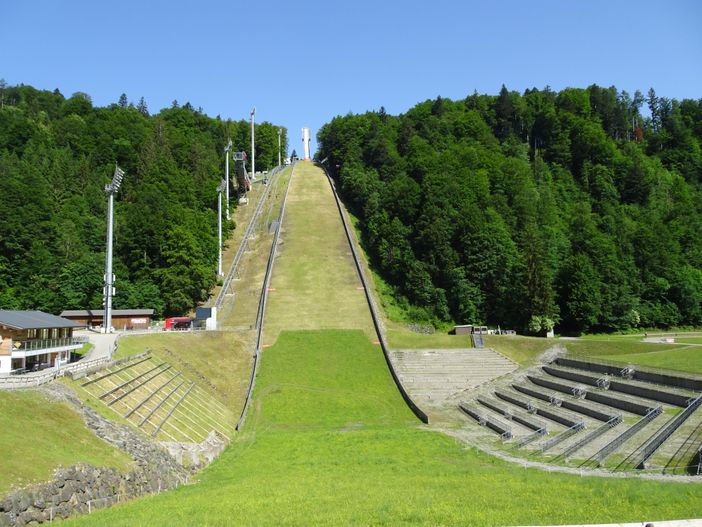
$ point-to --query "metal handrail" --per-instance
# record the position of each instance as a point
(260, 314)
(38, 344)
(242, 246)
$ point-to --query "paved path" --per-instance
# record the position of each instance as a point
(102, 343)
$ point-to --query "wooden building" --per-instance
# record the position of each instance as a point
(124, 319)
(33, 340)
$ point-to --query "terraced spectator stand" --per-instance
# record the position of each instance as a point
(688, 457)
(513, 416)
(681, 380)
(642, 455)
(437, 375)
(596, 399)
(159, 400)
(677, 398)
(493, 424)
(597, 432)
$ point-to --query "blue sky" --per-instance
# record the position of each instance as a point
(302, 63)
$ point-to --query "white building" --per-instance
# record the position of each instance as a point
(306, 143)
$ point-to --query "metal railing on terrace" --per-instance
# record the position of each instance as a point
(40, 344)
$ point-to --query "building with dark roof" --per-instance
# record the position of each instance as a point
(31, 340)
(121, 318)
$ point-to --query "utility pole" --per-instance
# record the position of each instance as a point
(220, 189)
(109, 290)
(253, 145)
(280, 131)
(226, 177)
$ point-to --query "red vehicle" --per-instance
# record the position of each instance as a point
(176, 323)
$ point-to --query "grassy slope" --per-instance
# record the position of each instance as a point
(687, 359)
(658, 355)
(522, 350)
(38, 436)
(314, 285)
(329, 441)
(221, 361)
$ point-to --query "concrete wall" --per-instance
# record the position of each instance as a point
(586, 410)
(618, 402)
(589, 366)
(649, 393)
(571, 375)
(678, 381)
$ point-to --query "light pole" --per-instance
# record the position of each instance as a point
(226, 178)
(280, 131)
(109, 290)
(253, 145)
(220, 189)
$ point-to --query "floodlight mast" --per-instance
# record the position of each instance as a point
(109, 290)
(253, 145)
(226, 178)
(280, 131)
(220, 189)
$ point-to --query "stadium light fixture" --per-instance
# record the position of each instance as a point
(280, 131)
(253, 145)
(220, 189)
(226, 170)
(109, 289)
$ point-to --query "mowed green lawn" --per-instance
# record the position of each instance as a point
(38, 435)
(686, 359)
(330, 442)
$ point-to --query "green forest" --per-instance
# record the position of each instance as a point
(579, 209)
(56, 156)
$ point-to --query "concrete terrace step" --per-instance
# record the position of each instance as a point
(668, 395)
(440, 373)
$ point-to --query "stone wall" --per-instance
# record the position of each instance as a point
(196, 456)
(82, 488)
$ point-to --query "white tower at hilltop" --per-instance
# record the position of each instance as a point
(306, 143)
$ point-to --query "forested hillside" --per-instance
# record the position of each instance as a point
(531, 209)
(57, 154)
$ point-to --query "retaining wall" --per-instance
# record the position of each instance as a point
(567, 403)
(514, 417)
(554, 385)
(649, 393)
(617, 402)
(493, 424)
(571, 375)
(667, 379)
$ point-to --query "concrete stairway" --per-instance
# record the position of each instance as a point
(438, 374)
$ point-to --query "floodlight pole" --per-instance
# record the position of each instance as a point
(253, 145)
(219, 226)
(226, 164)
(111, 190)
(280, 130)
